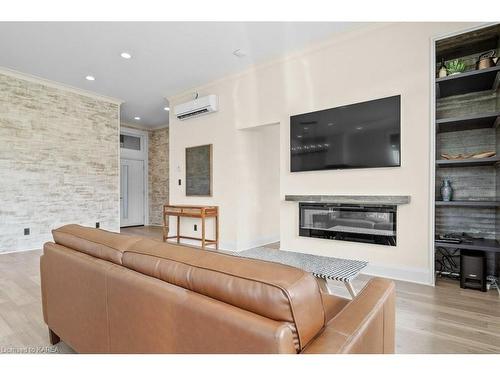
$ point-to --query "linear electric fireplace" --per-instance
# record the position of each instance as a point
(374, 224)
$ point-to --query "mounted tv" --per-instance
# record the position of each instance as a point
(361, 135)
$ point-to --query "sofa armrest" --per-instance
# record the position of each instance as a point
(365, 325)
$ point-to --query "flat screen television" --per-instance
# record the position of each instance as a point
(361, 135)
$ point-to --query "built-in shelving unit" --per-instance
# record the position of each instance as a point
(478, 245)
(468, 122)
(464, 83)
(467, 44)
(478, 204)
(467, 162)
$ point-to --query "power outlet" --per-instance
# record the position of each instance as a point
(195, 228)
(97, 225)
(26, 231)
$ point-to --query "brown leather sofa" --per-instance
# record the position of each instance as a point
(104, 292)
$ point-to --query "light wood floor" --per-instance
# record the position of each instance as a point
(443, 319)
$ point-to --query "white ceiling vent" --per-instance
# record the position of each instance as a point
(197, 107)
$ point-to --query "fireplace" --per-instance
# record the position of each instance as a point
(375, 224)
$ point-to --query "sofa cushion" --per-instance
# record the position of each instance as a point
(96, 242)
(269, 289)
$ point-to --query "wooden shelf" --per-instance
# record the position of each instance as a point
(478, 245)
(469, 122)
(478, 204)
(470, 43)
(463, 83)
(467, 162)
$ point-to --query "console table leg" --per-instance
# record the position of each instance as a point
(165, 228)
(203, 232)
(217, 231)
(350, 288)
(178, 229)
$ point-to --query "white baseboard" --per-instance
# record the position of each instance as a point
(414, 275)
(259, 242)
(231, 246)
(227, 246)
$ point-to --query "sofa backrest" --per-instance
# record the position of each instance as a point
(96, 242)
(276, 292)
(272, 290)
(96, 306)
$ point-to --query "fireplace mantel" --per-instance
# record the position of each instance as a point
(350, 199)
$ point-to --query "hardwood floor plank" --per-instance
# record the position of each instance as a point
(424, 342)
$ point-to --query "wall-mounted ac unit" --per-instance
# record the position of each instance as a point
(197, 107)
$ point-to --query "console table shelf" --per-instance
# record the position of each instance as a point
(478, 204)
(200, 212)
(463, 83)
(477, 245)
(467, 162)
(468, 122)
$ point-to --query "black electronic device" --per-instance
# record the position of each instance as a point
(473, 270)
(449, 238)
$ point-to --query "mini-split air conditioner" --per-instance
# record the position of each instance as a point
(197, 107)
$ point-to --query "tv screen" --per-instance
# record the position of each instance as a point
(361, 135)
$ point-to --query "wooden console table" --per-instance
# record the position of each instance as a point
(200, 212)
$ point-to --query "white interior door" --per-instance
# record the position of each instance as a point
(131, 192)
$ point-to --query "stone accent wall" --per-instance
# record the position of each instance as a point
(158, 174)
(59, 162)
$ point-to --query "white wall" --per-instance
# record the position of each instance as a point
(216, 129)
(249, 215)
(259, 186)
(377, 61)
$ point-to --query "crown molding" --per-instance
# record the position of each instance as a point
(58, 85)
(125, 124)
(159, 127)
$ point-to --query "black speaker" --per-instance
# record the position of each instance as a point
(473, 270)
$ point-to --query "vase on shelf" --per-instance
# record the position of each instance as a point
(446, 190)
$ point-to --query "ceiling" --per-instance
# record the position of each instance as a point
(167, 57)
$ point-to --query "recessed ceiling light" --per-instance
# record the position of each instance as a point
(126, 55)
(90, 78)
(239, 53)
(166, 109)
(137, 118)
